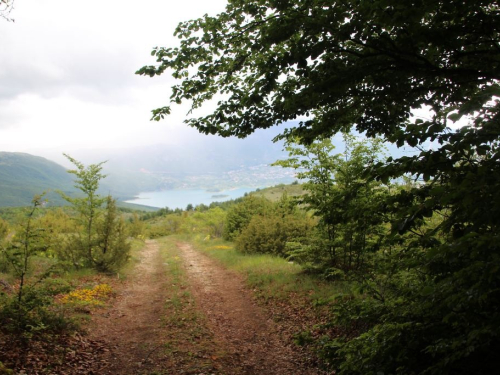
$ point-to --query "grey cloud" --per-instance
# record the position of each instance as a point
(73, 73)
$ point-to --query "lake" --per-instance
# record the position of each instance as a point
(181, 198)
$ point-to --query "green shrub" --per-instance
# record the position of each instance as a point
(135, 226)
(111, 241)
(34, 311)
(212, 221)
(270, 234)
(28, 308)
(101, 241)
(4, 229)
(239, 215)
(165, 226)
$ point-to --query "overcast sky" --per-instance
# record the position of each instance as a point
(67, 73)
(67, 79)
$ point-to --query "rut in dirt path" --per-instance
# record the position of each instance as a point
(249, 337)
(239, 337)
(132, 328)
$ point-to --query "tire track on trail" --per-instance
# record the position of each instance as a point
(132, 327)
(233, 335)
(238, 324)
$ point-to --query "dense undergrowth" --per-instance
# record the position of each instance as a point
(55, 265)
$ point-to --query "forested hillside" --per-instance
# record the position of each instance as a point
(22, 176)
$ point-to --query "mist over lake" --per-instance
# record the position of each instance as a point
(181, 198)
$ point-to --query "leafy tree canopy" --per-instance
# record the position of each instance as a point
(367, 63)
(363, 64)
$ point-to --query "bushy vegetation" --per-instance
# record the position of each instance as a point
(239, 216)
(28, 308)
(402, 302)
(100, 240)
(4, 229)
(346, 203)
(270, 230)
(425, 255)
(135, 226)
(165, 225)
(40, 246)
(215, 220)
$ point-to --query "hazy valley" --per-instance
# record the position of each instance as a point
(203, 163)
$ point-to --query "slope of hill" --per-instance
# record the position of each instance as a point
(200, 162)
(275, 193)
(23, 175)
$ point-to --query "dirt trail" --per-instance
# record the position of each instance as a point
(236, 321)
(132, 328)
(134, 332)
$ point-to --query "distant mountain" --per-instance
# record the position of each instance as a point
(22, 176)
(190, 156)
(195, 162)
(200, 162)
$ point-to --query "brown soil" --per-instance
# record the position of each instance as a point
(244, 329)
(133, 329)
(216, 327)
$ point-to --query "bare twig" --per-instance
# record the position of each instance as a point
(6, 6)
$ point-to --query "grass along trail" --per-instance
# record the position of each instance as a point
(251, 339)
(132, 327)
(180, 312)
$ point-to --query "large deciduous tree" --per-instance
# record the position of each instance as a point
(340, 63)
(367, 64)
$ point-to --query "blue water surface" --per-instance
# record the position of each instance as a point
(181, 198)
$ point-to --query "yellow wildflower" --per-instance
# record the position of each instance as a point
(94, 296)
(220, 247)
